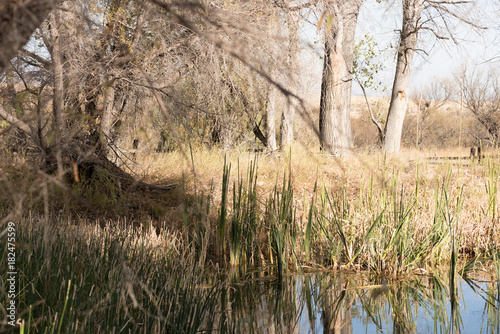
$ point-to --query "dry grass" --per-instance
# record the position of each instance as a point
(354, 177)
(364, 186)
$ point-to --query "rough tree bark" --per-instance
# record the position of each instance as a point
(58, 89)
(271, 118)
(108, 113)
(57, 72)
(412, 10)
(293, 52)
(334, 118)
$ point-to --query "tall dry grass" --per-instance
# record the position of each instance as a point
(296, 211)
(352, 196)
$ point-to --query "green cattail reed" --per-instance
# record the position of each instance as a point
(309, 225)
(221, 224)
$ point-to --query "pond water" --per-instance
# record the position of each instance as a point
(339, 303)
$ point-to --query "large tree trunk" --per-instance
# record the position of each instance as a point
(108, 112)
(412, 10)
(291, 105)
(57, 72)
(271, 118)
(335, 106)
(58, 89)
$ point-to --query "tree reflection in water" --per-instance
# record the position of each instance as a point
(345, 304)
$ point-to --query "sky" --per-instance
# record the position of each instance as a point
(476, 47)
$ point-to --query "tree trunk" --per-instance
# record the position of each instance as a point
(412, 10)
(58, 88)
(335, 106)
(293, 51)
(271, 118)
(107, 116)
(17, 123)
(57, 72)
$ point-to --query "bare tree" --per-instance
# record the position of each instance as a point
(283, 66)
(434, 96)
(481, 91)
(90, 65)
(412, 10)
(336, 84)
(272, 63)
(58, 89)
(429, 101)
(433, 17)
(201, 50)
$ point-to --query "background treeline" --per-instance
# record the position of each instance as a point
(99, 71)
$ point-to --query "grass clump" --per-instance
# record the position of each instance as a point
(107, 280)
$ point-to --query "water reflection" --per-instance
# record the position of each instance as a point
(339, 303)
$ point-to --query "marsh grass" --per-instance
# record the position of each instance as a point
(107, 280)
(384, 216)
(387, 223)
